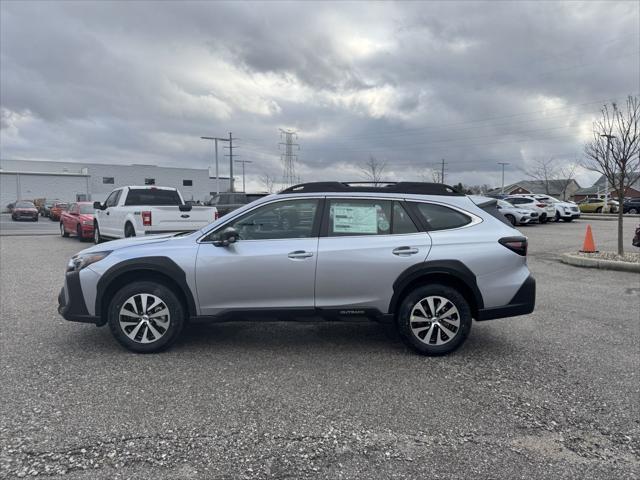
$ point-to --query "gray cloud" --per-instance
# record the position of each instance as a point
(473, 82)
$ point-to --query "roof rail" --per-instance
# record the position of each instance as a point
(418, 188)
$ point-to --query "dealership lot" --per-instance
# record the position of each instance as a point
(551, 395)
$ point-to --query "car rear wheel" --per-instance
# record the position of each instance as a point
(599, 210)
(146, 317)
(79, 233)
(63, 232)
(633, 211)
(129, 231)
(511, 218)
(543, 218)
(434, 319)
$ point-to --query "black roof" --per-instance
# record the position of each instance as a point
(418, 188)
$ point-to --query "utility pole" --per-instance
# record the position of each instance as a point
(442, 172)
(289, 177)
(216, 140)
(243, 162)
(503, 164)
(231, 155)
(605, 207)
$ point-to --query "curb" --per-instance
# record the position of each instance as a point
(586, 262)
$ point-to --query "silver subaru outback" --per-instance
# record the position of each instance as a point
(419, 255)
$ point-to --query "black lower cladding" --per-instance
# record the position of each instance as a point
(522, 303)
(75, 309)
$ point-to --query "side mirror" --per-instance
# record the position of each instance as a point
(97, 206)
(226, 237)
(185, 207)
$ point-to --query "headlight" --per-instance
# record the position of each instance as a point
(78, 262)
(87, 222)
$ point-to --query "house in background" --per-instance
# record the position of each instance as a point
(600, 187)
(562, 189)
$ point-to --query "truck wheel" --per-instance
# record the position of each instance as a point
(145, 317)
(511, 218)
(434, 319)
(97, 238)
(63, 232)
(129, 231)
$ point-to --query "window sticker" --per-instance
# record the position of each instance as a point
(355, 219)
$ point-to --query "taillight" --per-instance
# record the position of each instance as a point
(540, 205)
(515, 244)
(216, 215)
(146, 219)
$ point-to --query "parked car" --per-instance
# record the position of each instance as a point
(517, 215)
(135, 211)
(545, 203)
(78, 220)
(56, 210)
(530, 203)
(596, 205)
(390, 253)
(566, 211)
(636, 237)
(45, 208)
(24, 210)
(631, 205)
(230, 201)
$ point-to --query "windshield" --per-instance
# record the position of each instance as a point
(60, 205)
(25, 205)
(86, 209)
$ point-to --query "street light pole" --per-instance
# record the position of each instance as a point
(605, 207)
(216, 139)
(503, 164)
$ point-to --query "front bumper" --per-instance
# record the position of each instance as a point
(522, 303)
(71, 301)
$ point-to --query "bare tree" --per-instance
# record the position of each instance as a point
(372, 170)
(268, 182)
(567, 174)
(545, 171)
(614, 151)
(430, 175)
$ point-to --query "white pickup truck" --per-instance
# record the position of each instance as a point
(133, 211)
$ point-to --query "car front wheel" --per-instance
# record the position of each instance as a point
(146, 317)
(511, 218)
(96, 234)
(63, 232)
(434, 319)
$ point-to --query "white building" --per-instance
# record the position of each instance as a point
(74, 181)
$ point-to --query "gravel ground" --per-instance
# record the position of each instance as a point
(554, 394)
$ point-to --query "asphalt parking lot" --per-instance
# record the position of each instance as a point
(554, 394)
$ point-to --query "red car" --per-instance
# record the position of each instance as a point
(24, 210)
(77, 220)
(55, 213)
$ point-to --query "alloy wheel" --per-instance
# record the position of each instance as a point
(434, 320)
(144, 318)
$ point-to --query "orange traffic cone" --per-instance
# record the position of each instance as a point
(589, 245)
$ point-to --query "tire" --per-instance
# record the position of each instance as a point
(410, 331)
(36, 219)
(633, 211)
(79, 233)
(63, 232)
(512, 219)
(13, 219)
(599, 210)
(557, 218)
(543, 218)
(135, 334)
(129, 231)
(97, 238)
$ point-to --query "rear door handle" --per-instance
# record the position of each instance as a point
(300, 254)
(401, 251)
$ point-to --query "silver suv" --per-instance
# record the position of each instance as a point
(416, 254)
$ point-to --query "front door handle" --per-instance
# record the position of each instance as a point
(401, 251)
(300, 254)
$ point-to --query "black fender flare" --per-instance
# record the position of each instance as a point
(455, 269)
(145, 265)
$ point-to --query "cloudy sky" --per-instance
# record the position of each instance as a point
(474, 83)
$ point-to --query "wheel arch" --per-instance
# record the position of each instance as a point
(452, 273)
(156, 269)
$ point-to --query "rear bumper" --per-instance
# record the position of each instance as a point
(522, 303)
(71, 301)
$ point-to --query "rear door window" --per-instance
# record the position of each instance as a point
(350, 217)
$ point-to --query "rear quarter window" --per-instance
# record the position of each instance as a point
(438, 217)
